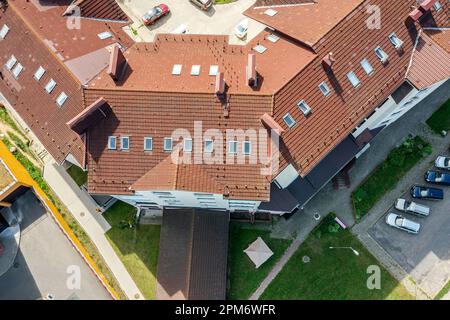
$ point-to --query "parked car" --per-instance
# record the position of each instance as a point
(241, 29)
(155, 13)
(412, 207)
(442, 162)
(437, 177)
(203, 4)
(400, 222)
(421, 192)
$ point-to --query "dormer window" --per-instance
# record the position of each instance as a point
(208, 146)
(4, 31)
(168, 144)
(365, 64)
(383, 56)
(39, 73)
(290, 122)
(395, 41)
(353, 79)
(304, 107)
(232, 147)
(247, 148)
(324, 89)
(124, 143)
(148, 144)
(112, 143)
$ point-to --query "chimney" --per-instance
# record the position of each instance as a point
(251, 70)
(413, 18)
(220, 84)
(426, 5)
(270, 123)
(328, 62)
(117, 63)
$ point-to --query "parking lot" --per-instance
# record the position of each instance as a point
(425, 256)
(220, 19)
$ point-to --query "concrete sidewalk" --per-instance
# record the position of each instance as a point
(84, 209)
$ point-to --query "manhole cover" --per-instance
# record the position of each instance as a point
(317, 216)
(306, 259)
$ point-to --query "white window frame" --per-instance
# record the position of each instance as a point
(11, 62)
(176, 69)
(249, 144)
(381, 54)
(325, 89)
(211, 148)
(110, 140)
(186, 147)
(146, 139)
(213, 70)
(195, 70)
(395, 40)
(168, 140)
(17, 70)
(4, 31)
(235, 149)
(304, 107)
(353, 78)
(122, 139)
(51, 84)
(61, 99)
(290, 119)
(437, 6)
(39, 73)
(367, 67)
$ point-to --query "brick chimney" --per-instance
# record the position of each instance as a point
(270, 123)
(328, 61)
(251, 70)
(220, 84)
(117, 63)
(426, 5)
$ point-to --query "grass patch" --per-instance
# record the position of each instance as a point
(332, 274)
(443, 292)
(6, 118)
(78, 175)
(78, 231)
(440, 120)
(244, 278)
(386, 176)
(223, 1)
(136, 245)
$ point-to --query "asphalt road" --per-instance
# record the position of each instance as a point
(44, 259)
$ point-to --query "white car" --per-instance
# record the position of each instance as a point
(442, 163)
(400, 222)
(241, 29)
(412, 207)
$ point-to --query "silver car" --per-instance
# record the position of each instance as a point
(442, 163)
(400, 222)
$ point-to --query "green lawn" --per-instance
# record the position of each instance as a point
(243, 277)
(78, 175)
(136, 246)
(224, 1)
(440, 120)
(386, 176)
(332, 274)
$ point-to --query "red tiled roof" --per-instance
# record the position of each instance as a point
(440, 36)
(101, 9)
(277, 3)
(430, 63)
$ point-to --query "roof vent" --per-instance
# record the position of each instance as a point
(328, 62)
(427, 5)
(117, 63)
(251, 70)
(220, 83)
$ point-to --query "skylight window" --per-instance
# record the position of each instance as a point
(104, 35)
(383, 56)
(259, 48)
(232, 147)
(195, 70)
(61, 99)
(247, 147)
(124, 143)
(353, 79)
(4, 31)
(39, 73)
(290, 122)
(209, 146)
(437, 6)
(148, 143)
(17, 70)
(176, 70)
(213, 70)
(304, 107)
(112, 143)
(365, 64)
(324, 89)
(395, 41)
(273, 38)
(187, 145)
(11, 62)
(168, 144)
(270, 12)
(50, 86)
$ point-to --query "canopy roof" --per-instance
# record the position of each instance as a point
(258, 252)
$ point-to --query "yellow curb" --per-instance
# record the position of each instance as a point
(22, 175)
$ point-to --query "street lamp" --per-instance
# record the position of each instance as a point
(353, 250)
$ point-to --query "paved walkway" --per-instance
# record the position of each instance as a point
(329, 200)
(83, 208)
